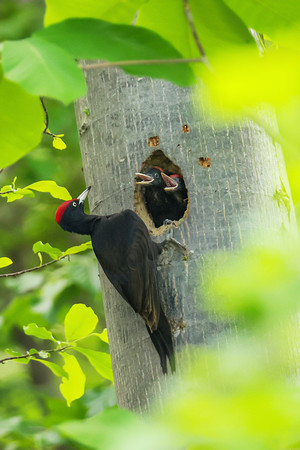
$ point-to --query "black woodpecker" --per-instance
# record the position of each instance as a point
(177, 195)
(156, 199)
(128, 257)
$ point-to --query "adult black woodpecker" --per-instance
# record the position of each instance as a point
(177, 195)
(156, 199)
(128, 257)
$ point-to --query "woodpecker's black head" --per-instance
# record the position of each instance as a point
(153, 177)
(70, 215)
(173, 183)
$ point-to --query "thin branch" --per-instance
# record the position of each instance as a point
(189, 18)
(141, 62)
(7, 192)
(16, 274)
(46, 118)
(11, 358)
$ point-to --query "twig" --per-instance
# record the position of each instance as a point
(141, 62)
(2, 361)
(189, 18)
(6, 192)
(46, 119)
(16, 274)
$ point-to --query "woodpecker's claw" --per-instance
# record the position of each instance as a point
(170, 233)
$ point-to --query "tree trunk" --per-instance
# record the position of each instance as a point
(228, 201)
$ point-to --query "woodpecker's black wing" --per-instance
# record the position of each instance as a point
(128, 257)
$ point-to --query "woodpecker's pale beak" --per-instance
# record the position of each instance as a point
(171, 184)
(146, 179)
(84, 195)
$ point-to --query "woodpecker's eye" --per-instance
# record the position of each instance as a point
(74, 204)
(156, 175)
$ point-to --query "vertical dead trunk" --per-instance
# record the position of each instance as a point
(231, 196)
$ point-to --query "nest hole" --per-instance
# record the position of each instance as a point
(175, 205)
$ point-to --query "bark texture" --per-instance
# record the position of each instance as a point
(228, 202)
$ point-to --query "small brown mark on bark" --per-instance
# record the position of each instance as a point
(204, 162)
(153, 141)
(186, 128)
(84, 127)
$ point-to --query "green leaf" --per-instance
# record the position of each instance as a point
(4, 262)
(218, 27)
(21, 122)
(118, 43)
(116, 11)
(43, 69)
(58, 143)
(11, 352)
(100, 361)
(170, 11)
(40, 332)
(266, 16)
(102, 431)
(32, 351)
(80, 321)
(79, 248)
(103, 336)
(56, 369)
(73, 386)
(51, 187)
(55, 253)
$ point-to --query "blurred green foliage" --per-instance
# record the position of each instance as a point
(239, 393)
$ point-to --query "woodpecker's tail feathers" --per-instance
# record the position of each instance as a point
(162, 340)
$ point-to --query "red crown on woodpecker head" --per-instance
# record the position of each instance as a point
(61, 209)
(157, 167)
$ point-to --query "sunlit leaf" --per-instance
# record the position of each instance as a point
(103, 336)
(100, 361)
(79, 248)
(266, 16)
(18, 137)
(118, 43)
(40, 332)
(218, 27)
(80, 321)
(73, 386)
(55, 368)
(43, 68)
(58, 143)
(4, 262)
(55, 253)
(116, 11)
(52, 188)
(17, 194)
(179, 34)
(261, 75)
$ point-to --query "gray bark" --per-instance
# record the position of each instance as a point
(228, 202)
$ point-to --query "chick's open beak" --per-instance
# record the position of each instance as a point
(171, 184)
(146, 179)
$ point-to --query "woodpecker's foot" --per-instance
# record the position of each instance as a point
(170, 233)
